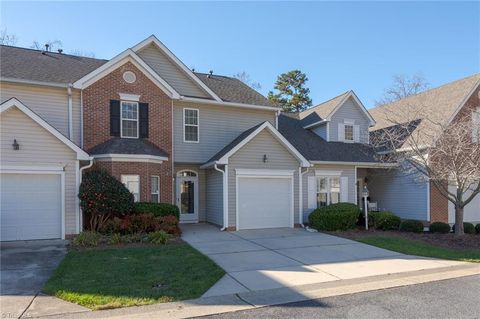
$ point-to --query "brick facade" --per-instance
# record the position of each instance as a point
(96, 104)
(438, 205)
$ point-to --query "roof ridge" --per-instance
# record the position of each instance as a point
(51, 52)
(430, 90)
(324, 102)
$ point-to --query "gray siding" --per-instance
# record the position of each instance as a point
(214, 196)
(321, 131)
(170, 72)
(219, 125)
(402, 193)
(39, 147)
(201, 187)
(251, 156)
(349, 111)
(347, 171)
(51, 104)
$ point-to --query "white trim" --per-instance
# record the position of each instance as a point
(464, 100)
(196, 186)
(77, 200)
(266, 173)
(157, 193)
(316, 124)
(355, 190)
(139, 199)
(266, 125)
(358, 102)
(130, 158)
(319, 172)
(428, 200)
(129, 97)
(153, 40)
(70, 112)
(28, 167)
(32, 82)
(300, 196)
(359, 164)
(13, 102)
(232, 104)
(198, 124)
(132, 120)
(124, 57)
(33, 170)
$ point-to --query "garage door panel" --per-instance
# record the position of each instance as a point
(264, 202)
(31, 206)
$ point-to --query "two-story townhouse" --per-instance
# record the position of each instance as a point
(405, 193)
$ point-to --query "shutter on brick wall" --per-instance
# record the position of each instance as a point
(312, 192)
(143, 120)
(344, 189)
(114, 118)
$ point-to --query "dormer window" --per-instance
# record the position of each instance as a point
(129, 119)
(349, 133)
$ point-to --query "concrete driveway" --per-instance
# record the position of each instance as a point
(284, 257)
(25, 268)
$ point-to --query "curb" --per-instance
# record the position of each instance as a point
(255, 299)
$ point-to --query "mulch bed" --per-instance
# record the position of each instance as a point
(441, 240)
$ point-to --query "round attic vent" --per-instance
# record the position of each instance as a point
(129, 77)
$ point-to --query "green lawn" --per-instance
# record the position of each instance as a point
(412, 247)
(111, 278)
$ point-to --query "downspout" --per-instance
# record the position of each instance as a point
(81, 118)
(79, 183)
(225, 194)
(70, 112)
(277, 114)
(301, 193)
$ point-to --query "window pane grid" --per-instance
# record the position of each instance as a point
(155, 189)
(190, 125)
(349, 132)
(328, 191)
(129, 118)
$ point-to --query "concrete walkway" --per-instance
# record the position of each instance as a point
(265, 259)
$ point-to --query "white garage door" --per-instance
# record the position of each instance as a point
(31, 206)
(471, 212)
(264, 202)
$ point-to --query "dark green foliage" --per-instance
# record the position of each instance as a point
(157, 209)
(292, 94)
(102, 196)
(384, 220)
(439, 227)
(159, 237)
(141, 224)
(468, 228)
(411, 225)
(341, 216)
(477, 229)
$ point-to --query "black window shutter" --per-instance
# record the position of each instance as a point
(143, 120)
(114, 118)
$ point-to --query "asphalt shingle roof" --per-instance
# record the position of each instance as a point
(315, 148)
(324, 109)
(118, 145)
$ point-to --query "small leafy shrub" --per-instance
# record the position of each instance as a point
(103, 196)
(411, 225)
(439, 227)
(141, 224)
(86, 239)
(468, 228)
(157, 209)
(158, 237)
(132, 238)
(477, 228)
(384, 220)
(341, 216)
(115, 239)
(169, 224)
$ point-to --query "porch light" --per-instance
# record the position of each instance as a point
(365, 193)
(15, 145)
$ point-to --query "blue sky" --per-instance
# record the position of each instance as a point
(340, 45)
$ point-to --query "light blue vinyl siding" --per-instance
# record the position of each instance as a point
(321, 131)
(349, 111)
(214, 196)
(403, 193)
(218, 126)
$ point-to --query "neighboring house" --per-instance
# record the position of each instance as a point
(412, 196)
(207, 143)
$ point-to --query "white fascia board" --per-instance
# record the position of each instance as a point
(130, 158)
(304, 162)
(316, 124)
(124, 57)
(153, 39)
(13, 102)
(32, 82)
(358, 164)
(358, 102)
(264, 172)
(209, 164)
(231, 104)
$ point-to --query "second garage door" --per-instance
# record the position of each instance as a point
(31, 206)
(265, 202)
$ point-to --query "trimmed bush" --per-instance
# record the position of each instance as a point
(384, 220)
(411, 225)
(87, 239)
(158, 237)
(102, 196)
(141, 224)
(439, 227)
(477, 228)
(468, 228)
(157, 209)
(341, 216)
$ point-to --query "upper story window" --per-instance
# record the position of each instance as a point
(190, 125)
(129, 119)
(349, 132)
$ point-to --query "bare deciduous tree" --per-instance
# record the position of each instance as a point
(79, 52)
(6, 38)
(245, 78)
(52, 45)
(402, 87)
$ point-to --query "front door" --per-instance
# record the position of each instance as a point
(187, 196)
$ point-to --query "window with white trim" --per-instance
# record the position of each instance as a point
(132, 183)
(129, 119)
(190, 125)
(348, 129)
(328, 190)
(155, 189)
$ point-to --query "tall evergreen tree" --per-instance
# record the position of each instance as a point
(291, 95)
